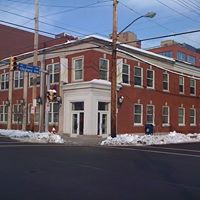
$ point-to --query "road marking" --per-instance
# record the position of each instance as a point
(153, 151)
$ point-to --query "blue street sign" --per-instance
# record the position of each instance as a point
(29, 68)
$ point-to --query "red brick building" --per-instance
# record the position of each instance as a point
(182, 52)
(152, 89)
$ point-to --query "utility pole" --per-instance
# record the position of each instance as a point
(35, 60)
(114, 73)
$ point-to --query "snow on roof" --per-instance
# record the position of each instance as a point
(100, 81)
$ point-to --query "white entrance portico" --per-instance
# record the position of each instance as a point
(86, 108)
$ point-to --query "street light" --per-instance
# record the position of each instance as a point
(114, 66)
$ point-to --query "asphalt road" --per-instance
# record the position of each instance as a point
(59, 172)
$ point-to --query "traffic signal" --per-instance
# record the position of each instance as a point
(13, 63)
(52, 95)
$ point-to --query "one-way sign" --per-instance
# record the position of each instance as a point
(29, 68)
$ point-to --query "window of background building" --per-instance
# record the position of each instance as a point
(138, 114)
(17, 113)
(150, 114)
(192, 116)
(104, 69)
(165, 115)
(54, 112)
(181, 56)
(36, 115)
(181, 84)
(125, 73)
(3, 113)
(138, 74)
(166, 81)
(4, 79)
(191, 59)
(192, 86)
(31, 79)
(181, 116)
(150, 78)
(19, 79)
(167, 54)
(54, 71)
(78, 69)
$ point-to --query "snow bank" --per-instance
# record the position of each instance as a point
(28, 136)
(132, 139)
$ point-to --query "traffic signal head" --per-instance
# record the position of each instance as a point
(51, 95)
(13, 63)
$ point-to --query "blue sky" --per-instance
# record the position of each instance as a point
(85, 17)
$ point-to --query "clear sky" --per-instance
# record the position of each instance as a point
(85, 17)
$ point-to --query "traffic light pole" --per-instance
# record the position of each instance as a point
(35, 60)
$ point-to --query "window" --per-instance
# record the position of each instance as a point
(36, 115)
(167, 54)
(104, 68)
(3, 113)
(138, 114)
(181, 116)
(165, 115)
(102, 106)
(78, 106)
(17, 113)
(138, 74)
(4, 81)
(54, 112)
(181, 56)
(192, 116)
(19, 79)
(150, 114)
(54, 71)
(192, 86)
(150, 78)
(166, 81)
(31, 79)
(78, 69)
(191, 59)
(125, 73)
(181, 84)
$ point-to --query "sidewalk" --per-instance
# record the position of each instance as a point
(82, 140)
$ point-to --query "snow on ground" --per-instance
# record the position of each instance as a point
(28, 136)
(133, 139)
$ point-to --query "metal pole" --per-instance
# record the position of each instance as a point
(47, 105)
(35, 60)
(113, 73)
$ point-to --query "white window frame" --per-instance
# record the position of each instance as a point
(183, 84)
(126, 74)
(52, 113)
(163, 81)
(152, 79)
(4, 81)
(141, 77)
(183, 117)
(3, 114)
(19, 112)
(104, 70)
(140, 114)
(18, 77)
(150, 114)
(52, 73)
(193, 86)
(31, 77)
(193, 116)
(81, 68)
(36, 115)
(168, 116)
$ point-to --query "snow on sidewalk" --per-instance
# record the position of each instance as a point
(28, 136)
(133, 139)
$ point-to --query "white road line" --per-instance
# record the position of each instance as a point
(152, 151)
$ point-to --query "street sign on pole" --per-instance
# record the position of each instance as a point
(29, 68)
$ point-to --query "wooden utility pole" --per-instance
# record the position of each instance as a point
(35, 60)
(114, 73)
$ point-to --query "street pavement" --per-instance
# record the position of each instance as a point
(62, 172)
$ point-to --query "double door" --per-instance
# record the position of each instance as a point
(102, 125)
(78, 123)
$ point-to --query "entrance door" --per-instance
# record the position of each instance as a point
(78, 123)
(102, 123)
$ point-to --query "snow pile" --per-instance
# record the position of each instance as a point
(28, 136)
(132, 139)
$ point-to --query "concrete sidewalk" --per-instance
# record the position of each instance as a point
(82, 140)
